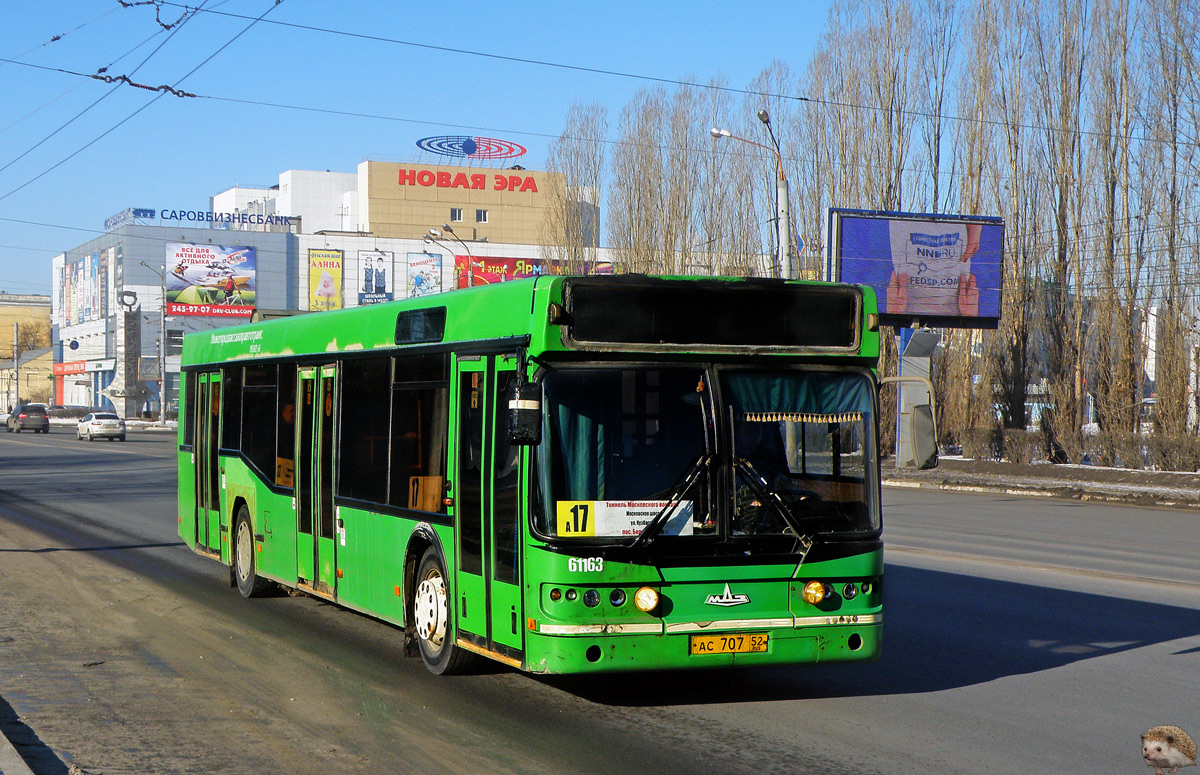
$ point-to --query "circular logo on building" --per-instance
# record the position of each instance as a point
(471, 147)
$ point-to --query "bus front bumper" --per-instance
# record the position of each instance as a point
(599, 652)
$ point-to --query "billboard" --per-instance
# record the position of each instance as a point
(325, 279)
(424, 274)
(375, 273)
(489, 269)
(935, 270)
(210, 280)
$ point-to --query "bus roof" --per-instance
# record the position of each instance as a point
(525, 310)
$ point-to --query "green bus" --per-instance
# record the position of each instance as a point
(564, 474)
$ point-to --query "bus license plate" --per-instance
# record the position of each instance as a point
(729, 643)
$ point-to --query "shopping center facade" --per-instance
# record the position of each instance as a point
(314, 241)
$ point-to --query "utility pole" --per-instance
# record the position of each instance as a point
(162, 343)
(16, 369)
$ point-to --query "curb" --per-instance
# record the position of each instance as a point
(11, 762)
(1074, 493)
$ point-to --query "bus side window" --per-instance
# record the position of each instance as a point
(258, 410)
(285, 443)
(231, 386)
(363, 446)
(186, 415)
(420, 416)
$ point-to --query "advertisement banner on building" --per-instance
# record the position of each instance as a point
(489, 269)
(93, 272)
(64, 291)
(925, 268)
(375, 268)
(73, 286)
(424, 274)
(324, 279)
(210, 280)
(104, 279)
(110, 264)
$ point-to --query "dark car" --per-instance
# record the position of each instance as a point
(30, 417)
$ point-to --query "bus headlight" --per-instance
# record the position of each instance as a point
(646, 599)
(814, 592)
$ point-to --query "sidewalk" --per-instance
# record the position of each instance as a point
(1148, 488)
(11, 762)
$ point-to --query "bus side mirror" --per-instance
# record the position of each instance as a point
(524, 412)
(922, 427)
(924, 437)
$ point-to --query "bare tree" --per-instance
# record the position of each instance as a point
(939, 23)
(33, 335)
(571, 234)
(1171, 101)
(637, 172)
(1060, 40)
(1117, 377)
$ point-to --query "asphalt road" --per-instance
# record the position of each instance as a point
(1022, 635)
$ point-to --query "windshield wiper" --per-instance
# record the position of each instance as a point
(767, 494)
(675, 496)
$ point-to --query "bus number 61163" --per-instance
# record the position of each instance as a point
(585, 564)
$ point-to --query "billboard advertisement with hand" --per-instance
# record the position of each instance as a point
(929, 269)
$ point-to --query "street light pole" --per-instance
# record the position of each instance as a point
(162, 343)
(436, 233)
(447, 228)
(783, 256)
(432, 239)
(782, 213)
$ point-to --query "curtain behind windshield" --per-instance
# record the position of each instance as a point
(816, 393)
(619, 436)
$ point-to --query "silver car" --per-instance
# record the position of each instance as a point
(101, 425)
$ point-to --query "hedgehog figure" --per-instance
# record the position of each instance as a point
(1168, 747)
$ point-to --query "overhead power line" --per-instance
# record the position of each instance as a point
(651, 78)
(156, 97)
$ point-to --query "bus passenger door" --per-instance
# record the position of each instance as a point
(207, 416)
(488, 589)
(315, 552)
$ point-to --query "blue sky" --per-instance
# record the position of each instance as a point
(177, 151)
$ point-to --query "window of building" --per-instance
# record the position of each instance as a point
(456, 214)
(481, 216)
(174, 341)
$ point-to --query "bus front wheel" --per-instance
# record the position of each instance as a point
(249, 583)
(431, 616)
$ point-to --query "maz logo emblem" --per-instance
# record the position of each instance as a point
(727, 598)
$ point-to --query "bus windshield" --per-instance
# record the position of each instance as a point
(802, 442)
(793, 451)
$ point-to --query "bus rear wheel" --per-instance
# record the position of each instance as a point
(249, 583)
(431, 616)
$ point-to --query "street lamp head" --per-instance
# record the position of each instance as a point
(447, 228)
(435, 232)
(719, 133)
(764, 117)
(427, 240)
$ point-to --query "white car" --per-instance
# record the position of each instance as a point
(101, 425)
